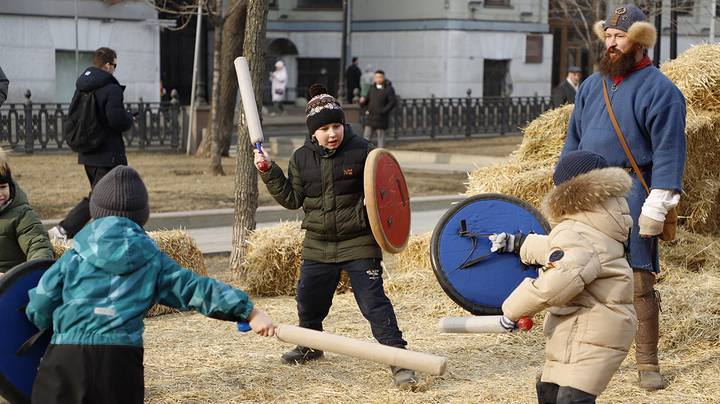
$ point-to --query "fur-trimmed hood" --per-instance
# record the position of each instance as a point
(642, 33)
(596, 198)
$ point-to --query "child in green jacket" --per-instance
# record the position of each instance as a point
(96, 295)
(22, 236)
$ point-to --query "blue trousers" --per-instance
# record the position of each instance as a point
(643, 252)
(316, 288)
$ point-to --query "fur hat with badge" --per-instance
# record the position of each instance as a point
(322, 109)
(121, 192)
(631, 19)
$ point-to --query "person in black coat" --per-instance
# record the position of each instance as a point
(564, 93)
(380, 101)
(114, 120)
(5, 83)
(352, 76)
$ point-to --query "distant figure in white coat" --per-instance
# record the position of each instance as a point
(279, 85)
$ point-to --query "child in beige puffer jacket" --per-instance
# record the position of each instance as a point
(585, 284)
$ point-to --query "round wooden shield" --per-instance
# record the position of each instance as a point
(387, 201)
(472, 276)
(18, 369)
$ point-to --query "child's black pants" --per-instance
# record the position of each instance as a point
(551, 393)
(108, 374)
(316, 288)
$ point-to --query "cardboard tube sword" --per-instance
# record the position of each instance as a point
(480, 324)
(247, 95)
(421, 362)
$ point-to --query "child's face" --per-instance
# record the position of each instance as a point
(4, 193)
(330, 136)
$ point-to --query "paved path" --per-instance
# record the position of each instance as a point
(218, 240)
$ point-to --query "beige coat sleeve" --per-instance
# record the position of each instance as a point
(561, 280)
(535, 250)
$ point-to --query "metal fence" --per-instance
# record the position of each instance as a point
(31, 127)
(466, 116)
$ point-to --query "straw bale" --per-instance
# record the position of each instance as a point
(527, 181)
(272, 261)
(544, 137)
(175, 243)
(415, 255)
(696, 72)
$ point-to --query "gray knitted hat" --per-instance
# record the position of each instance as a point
(121, 192)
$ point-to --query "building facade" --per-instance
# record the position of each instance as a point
(37, 46)
(426, 47)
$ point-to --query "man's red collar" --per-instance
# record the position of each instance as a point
(643, 63)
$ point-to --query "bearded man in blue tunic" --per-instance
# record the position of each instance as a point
(650, 111)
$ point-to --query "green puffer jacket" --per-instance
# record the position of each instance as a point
(329, 188)
(22, 236)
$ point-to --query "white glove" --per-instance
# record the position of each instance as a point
(659, 202)
(506, 242)
(508, 324)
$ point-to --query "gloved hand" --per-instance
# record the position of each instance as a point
(508, 324)
(649, 227)
(262, 160)
(506, 243)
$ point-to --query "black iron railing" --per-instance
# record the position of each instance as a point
(31, 127)
(466, 116)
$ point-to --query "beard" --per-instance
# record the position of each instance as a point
(616, 66)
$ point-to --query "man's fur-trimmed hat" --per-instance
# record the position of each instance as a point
(631, 19)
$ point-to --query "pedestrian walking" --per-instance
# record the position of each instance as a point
(380, 101)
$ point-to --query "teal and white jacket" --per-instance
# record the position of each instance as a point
(99, 292)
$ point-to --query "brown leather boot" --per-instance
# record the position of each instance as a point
(647, 306)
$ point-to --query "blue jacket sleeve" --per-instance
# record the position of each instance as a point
(47, 295)
(117, 117)
(666, 125)
(572, 141)
(184, 290)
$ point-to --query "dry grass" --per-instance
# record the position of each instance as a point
(189, 358)
(175, 182)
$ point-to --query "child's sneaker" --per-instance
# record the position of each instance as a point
(405, 379)
(300, 355)
(57, 234)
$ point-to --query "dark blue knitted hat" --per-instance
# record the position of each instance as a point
(575, 163)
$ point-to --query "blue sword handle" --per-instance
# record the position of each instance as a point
(243, 326)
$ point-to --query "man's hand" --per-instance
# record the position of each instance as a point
(650, 227)
(261, 323)
(262, 160)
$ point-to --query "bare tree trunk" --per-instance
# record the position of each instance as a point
(233, 37)
(246, 192)
(205, 147)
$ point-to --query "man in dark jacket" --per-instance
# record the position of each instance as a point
(114, 120)
(4, 84)
(564, 93)
(352, 75)
(380, 101)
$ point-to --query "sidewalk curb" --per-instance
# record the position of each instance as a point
(202, 219)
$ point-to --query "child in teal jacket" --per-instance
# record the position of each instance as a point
(96, 295)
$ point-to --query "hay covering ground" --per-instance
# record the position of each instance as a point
(175, 243)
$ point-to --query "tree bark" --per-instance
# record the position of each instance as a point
(205, 147)
(246, 191)
(233, 37)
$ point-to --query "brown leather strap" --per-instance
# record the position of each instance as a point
(621, 137)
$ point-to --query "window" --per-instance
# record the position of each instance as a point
(496, 78)
(685, 7)
(65, 74)
(497, 3)
(273, 4)
(534, 49)
(320, 4)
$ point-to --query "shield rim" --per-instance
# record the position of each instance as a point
(447, 287)
(7, 389)
(371, 205)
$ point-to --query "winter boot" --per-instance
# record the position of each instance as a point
(647, 307)
(405, 379)
(300, 355)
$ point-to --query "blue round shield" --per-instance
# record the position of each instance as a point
(19, 367)
(473, 277)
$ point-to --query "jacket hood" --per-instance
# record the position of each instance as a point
(94, 78)
(314, 146)
(115, 244)
(18, 198)
(596, 198)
